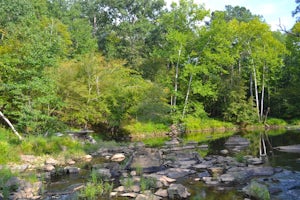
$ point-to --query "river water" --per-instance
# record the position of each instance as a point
(287, 161)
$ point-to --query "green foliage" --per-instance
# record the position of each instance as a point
(258, 191)
(197, 124)
(158, 67)
(5, 175)
(95, 188)
(295, 122)
(39, 145)
(148, 127)
(239, 157)
(127, 182)
(276, 121)
(148, 183)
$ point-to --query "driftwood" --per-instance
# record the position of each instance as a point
(10, 125)
(290, 148)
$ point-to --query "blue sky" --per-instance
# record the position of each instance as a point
(271, 10)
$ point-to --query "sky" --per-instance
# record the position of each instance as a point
(271, 10)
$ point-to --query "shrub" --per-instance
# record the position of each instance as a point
(8, 153)
(295, 122)
(192, 123)
(5, 175)
(276, 121)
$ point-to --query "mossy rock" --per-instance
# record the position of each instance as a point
(257, 191)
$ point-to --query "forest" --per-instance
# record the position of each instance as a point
(109, 65)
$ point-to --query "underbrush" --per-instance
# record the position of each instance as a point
(5, 175)
(197, 124)
(276, 122)
(11, 147)
(148, 127)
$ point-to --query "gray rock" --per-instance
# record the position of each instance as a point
(49, 168)
(129, 194)
(257, 190)
(224, 151)
(173, 142)
(103, 173)
(147, 195)
(203, 174)
(176, 173)
(51, 161)
(71, 170)
(19, 168)
(177, 191)
(162, 193)
(254, 161)
(119, 157)
(227, 178)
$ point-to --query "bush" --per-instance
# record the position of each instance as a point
(8, 153)
(295, 122)
(276, 121)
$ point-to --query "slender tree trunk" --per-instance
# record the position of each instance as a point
(176, 76)
(251, 85)
(262, 94)
(187, 96)
(255, 85)
(10, 125)
(94, 25)
(256, 91)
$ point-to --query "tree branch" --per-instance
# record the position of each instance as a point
(10, 125)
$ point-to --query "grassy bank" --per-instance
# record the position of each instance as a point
(12, 148)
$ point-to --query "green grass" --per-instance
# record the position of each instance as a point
(149, 127)
(5, 175)
(147, 183)
(197, 124)
(95, 188)
(11, 148)
(276, 121)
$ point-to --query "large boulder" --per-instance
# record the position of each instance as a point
(148, 160)
(178, 191)
(257, 190)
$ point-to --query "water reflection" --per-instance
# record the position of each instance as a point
(262, 143)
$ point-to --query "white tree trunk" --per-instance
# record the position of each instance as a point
(187, 96)
(262, 94)
(256, 91)
(10, 125)
(176, 77)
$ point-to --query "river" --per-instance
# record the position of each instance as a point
(274, 158)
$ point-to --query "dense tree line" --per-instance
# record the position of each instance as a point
(105, 63)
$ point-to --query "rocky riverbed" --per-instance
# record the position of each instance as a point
(168, 171)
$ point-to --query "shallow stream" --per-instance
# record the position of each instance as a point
(288, 161)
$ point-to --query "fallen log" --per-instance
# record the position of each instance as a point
(289, 148)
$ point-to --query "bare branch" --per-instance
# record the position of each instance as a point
(10, 125)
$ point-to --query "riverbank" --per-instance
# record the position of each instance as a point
(136, 171)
